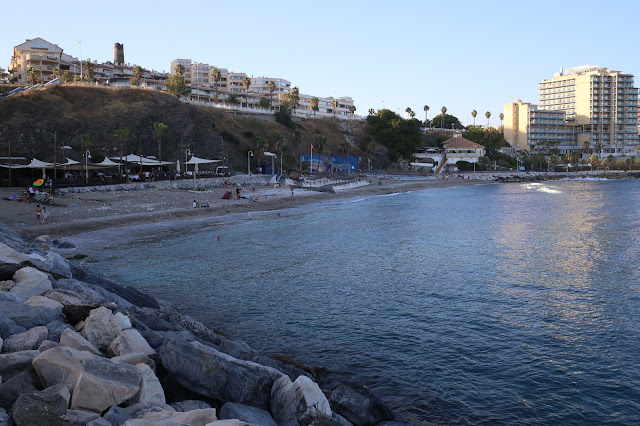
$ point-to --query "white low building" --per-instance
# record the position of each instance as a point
(444, 160)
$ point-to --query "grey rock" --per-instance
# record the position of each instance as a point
(99, 422)
(1, 342)
(75, 340)
(7, 270)
(43, 301)
(358, 405)
(43, 239)
(30, 282)
(27, 340)
(8, 327)
(24, 382)
(11, 297)
(46, 345)
(101, 327)
(70, 297)
(27, 316)
(212, 373)
(47, 407)
(5, 420)
(116, 416)
(57, 265)
(189, 405)
(56, 328)
(15, 362)
(79, 417)
(338, 419)
(137, 411)
(246, 413)
(79, 326)
(66, 245)
(195, 417)
(301, 400)
(136, 358)
(130, 341)
(130, 294)
(150, 388)
(6, 285)
(96, 383)
(9, 255)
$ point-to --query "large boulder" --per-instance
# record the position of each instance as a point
(6, 285)
(246, 413)
(47, 407)
(43, 301)
(7, 270)
(56, 328)
(67, 297)
(189, 404)
(30, 282)
(95, 383)
(300, 401)
(15, 362)
(130, 294)
(150, 388)
(117, 416)
(137, 411)
(212, 373)
(79, 417)
(194, 418)
(28, 340)
(9, 255)
(27, 381)
(101, 327)
(5, 420)
(75, 340)
(135, 358)
(358, 405)
(57, 265)
(26, 316)
(130, 341)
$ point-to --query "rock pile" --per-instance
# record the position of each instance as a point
(78, 349)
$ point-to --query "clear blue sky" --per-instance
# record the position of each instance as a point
(464, 55)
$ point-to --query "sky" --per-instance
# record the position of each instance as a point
(465, 55)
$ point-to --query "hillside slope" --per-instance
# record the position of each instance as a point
(29, 121)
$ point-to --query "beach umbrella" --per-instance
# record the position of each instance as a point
(39, 182)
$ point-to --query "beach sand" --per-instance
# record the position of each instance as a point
(76, 213)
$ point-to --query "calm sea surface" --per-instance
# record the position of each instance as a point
(482, 304)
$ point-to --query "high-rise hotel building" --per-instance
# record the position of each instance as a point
(584, 109)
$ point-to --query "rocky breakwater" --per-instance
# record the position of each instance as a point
(77, 349)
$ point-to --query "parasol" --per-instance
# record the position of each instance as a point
(39, 182)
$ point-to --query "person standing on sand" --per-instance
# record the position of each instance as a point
(38, 213)
(195, 203)
(45, 215)
(292, 191)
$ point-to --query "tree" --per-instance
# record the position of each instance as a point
(587, 147)
(296, 135)
(55, 73)
(605, 163)
(89, 69)
(408, 111)
(137, 73)
(554, 159)
(567, 160)
(598, 146)
(294, 97)
(446, 121)
(488, 137)
(246, 83)
(67, 76)
(443, 110)
(264, 103)
(334, 105)
(32, 75)
(314, 104)
(352, 108)
(426, 114)
(123, 136)
(176, 85)
(275, 140)
(271, 86)
(216, 74)
(372, 111)
(575, 159)
(474, 113)
(501, 116)
(488, 115)
(320, 142)
(397, 136)
(412, 114)
(180, 69)
(593, 161)
(160, 129)
(3, 73)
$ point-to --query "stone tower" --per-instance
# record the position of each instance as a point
(118, 54)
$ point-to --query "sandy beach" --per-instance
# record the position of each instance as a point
(76, 213)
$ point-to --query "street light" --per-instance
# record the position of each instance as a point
(86, 165)
(80, 43)
(249, 155)
(187, 153)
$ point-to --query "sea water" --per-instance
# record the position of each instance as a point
(480, 304)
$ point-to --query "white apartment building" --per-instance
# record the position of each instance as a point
(43, 56)
(583, 109)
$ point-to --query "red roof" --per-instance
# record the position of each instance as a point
(460, 143)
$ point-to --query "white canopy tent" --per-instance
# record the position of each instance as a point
(195, 161)
(132, 158)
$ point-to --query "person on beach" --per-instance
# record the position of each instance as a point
(32, 193)
(38, 213)
(45, 215)
(292, 191)
(195, 203)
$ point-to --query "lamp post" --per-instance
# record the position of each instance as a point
(55, 154)
(249, 155)
(80, 43)
(187, 153)
(86, 165)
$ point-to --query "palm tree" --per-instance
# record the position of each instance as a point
(587, 147)
(217, 76)
(501, 116)
(352, 108)
(553, 159)
(488, 115)
(334, 104)
(426, 114)
(180, 69)
(246, 83)
(412, 114)
(319, 142)
(599, 148)
(160, 129)
(32, 75)
(372, 111)
(408, 111)
(593, 161)
(474, 113)
(443, 110)
(297, 136)
(137, 73)
(294, 97)
(88, 69)
(567, 160)
(55, 73)
(271, 86)
(314, 104)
